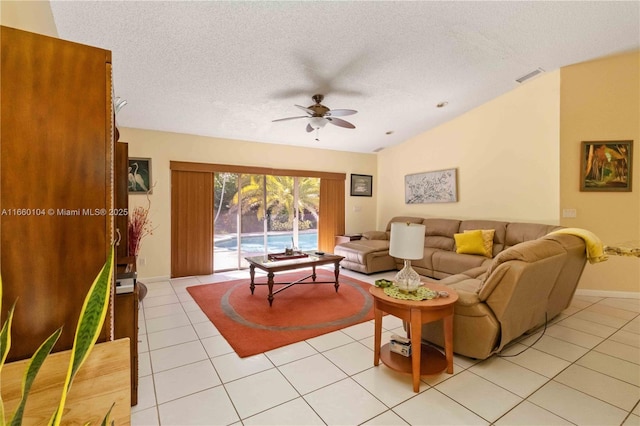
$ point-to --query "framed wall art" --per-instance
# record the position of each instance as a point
(140, 175)
(605, 166)
(361, 185)
(439, 186)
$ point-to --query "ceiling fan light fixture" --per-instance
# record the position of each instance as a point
(317, 122)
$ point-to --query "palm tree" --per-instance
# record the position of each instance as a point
(220, 183)
(309, 196)
(279, 197)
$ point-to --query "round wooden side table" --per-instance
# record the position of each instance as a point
(424, 359)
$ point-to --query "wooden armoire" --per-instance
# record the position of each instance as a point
(57, 183)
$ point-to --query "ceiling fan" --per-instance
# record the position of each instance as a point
(319, 115)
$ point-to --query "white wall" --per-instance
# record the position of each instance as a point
(506, 152)
(164, 147)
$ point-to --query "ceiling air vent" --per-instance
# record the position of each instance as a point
(530, 75)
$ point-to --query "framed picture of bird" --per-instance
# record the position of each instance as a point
(140, 176)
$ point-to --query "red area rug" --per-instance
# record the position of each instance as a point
(298, 313)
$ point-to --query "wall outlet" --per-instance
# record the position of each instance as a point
(142, 261)
(569, 213)
(357, 208)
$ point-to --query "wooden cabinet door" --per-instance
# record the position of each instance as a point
(121, 172)
(55, 189)
(126, 325)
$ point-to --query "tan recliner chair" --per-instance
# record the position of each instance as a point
(524, 285)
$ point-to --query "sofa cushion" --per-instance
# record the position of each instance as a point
(374, 235)
(426, 261)
(447, 263)
(439, 242)
(478, 272)
(403, 219)
(356, 251)
(443, 227)
(528, 251)
(470, 242)
(520, 232)
(439, 233)
(462, 282)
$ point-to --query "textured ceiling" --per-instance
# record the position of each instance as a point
(227, 69)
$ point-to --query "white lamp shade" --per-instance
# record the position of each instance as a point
(407, 240)
(317, 122)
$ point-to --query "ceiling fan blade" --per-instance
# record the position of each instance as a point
(305, 109)
(309, 128)
(340, 112)
(341, 123)
(290, 118)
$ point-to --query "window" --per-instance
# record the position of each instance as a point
(253, 209)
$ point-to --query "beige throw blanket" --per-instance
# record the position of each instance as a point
(595, 249)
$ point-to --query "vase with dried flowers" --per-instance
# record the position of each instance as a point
(139, 227)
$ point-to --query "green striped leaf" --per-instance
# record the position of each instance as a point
(33, 367)
(94, 311)
(5, 336)
(105, 421)
(5, 345)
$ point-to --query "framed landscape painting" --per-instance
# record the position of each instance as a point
(361, 185)
(605, 166)
(140, 175)
(439, 186)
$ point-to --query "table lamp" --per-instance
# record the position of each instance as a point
(407, 243)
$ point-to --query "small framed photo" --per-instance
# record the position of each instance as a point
(361, 185)
(605, 166)
(140, 176)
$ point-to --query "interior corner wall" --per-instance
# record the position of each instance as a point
(33, 16)
(163, 147)
(506, 153)
(600, 100)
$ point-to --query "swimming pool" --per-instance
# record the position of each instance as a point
(275, 243)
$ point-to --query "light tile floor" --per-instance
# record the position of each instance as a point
(584, 370)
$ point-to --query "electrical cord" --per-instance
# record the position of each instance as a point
(527, 347)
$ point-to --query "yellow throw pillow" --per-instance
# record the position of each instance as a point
(470, 242)
(487, 237)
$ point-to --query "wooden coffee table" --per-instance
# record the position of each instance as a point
(271, 267)
(424, 359)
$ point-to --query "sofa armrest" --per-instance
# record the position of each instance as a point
(374, 235)
(467, 298)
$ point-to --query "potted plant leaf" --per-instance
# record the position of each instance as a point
(90, 323)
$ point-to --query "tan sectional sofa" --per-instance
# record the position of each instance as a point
(530, 277)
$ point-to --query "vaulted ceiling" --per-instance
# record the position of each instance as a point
(227, 69)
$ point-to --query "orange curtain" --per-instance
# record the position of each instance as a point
(332, 213)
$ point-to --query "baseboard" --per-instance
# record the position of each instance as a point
(154, 279)
(608, 293)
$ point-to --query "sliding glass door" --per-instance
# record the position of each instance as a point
(259, 214)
